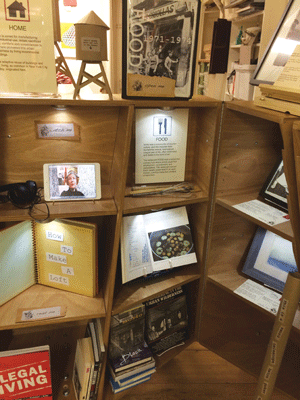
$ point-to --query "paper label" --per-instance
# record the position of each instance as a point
(90, 44)
(283, 308)
(58, 279)
(41, 313)
(273, 353)
(66, 249)
(268, 373)
(55, 130)
(55, 236)
(265, 388)
(280, 332)
(263, 212)
(67, 270)
(56, 258)
(260, 295)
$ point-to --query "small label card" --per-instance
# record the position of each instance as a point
(90, 44)
(31, 315)
(260, 295)
(263, 212)
(57, 130)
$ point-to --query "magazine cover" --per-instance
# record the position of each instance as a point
(127, 346)
(166, 321)
(159, 38)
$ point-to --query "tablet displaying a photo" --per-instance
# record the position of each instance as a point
(72, 181)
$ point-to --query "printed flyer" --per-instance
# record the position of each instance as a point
(27, 58)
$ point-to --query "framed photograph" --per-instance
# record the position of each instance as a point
(270, 259)
(275, 189)
(281, 46)
(72, 182)
(159, 48)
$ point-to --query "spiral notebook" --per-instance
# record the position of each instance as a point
(61, 254)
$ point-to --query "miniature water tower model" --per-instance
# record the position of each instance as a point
(91, 48)
(60, 61)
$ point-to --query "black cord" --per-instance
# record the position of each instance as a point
(37, 200)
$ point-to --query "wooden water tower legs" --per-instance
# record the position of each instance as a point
(61, 64)
(90, 78)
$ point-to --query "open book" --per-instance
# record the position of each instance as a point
(60, 254)
(155, 242)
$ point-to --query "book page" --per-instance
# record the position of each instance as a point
(169, 237)
(290, 75)
(135, 255)
(66, 256)
(17, 271)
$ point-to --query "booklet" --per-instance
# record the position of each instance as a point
(155, 242)
(61, 254)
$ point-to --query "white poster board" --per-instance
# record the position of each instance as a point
(27, 58)
(161, 138)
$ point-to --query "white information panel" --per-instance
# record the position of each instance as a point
(27, 58)
(161, 138)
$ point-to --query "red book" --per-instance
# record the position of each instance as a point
(25, 374)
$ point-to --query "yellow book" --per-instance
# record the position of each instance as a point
(61, 254)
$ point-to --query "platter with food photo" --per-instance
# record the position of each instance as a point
(171, 242)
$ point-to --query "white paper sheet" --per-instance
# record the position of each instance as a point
(263, 212)
(161, 139)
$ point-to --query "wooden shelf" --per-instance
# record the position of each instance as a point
(249, 17)
(238, 46)
(69, 209)
(235, 4)
(136, 293)
(38, 296)
(143, 203)
(284, 230)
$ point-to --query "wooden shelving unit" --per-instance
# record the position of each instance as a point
(107, 137)
(231, 150)
(251, 141)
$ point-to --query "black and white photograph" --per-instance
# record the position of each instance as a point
(159, 52)
(127, 332)
(166, 320)
(275, 189)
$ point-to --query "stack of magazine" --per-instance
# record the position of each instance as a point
(130, 360)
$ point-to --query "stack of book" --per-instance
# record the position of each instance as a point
(88, 362)
(130, 360)
(250, 7)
